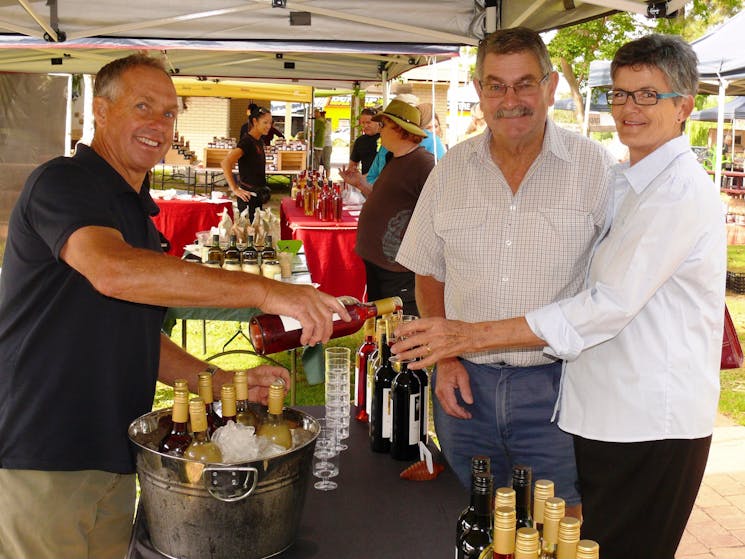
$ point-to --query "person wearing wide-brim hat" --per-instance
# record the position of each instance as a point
(389, 205)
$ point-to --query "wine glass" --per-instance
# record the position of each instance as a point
(326, 457)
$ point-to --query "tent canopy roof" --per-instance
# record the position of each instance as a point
(732, 109)
(345, 42)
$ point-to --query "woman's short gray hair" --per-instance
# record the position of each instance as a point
(668, 53)
(512, 41)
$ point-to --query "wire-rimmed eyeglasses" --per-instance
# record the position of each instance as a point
(640, 96)
(524, 88)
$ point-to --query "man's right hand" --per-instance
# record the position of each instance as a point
(452, 376)
(305, 303)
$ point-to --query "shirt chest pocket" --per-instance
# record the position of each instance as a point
(463, 233)
(563, 231)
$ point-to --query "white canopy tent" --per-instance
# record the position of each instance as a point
(317, 42)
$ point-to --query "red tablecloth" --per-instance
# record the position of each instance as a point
(180, 220)
(329, 249)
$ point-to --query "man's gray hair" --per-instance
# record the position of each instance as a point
(108, 78)
(512, 41)
(668, 53)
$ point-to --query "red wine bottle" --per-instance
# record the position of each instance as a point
(479, 465)
(406, 428)
(179, 439)
(473, 542)
(522, 482)
(360, 370)
(381, 413)
(271, 333)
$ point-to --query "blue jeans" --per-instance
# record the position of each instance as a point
(510, 423)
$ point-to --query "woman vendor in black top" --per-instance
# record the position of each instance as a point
(252, 191)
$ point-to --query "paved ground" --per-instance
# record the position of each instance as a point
(716, 528)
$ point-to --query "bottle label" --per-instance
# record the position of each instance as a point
(414, 419)
(357, 382)
(387, 414)
(369, 394)
(425, 415)
(290, 324)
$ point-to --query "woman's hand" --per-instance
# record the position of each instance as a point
(351, 175)
(242, 193)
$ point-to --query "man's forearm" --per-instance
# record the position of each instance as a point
(430, 296)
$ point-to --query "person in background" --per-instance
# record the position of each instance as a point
(366, 145)
(274, 132)
(387, 210)
(505, 224)
(83, 293)
(643, 340)
(327, 143)
(252, 108)
(439, 132)
(478, 123)
(251, 190)
(365, 183)
(319, 131)
(432, 142)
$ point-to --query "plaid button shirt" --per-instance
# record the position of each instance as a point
(501, 254)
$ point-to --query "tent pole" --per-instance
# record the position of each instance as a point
(586, 121)
(720, 134)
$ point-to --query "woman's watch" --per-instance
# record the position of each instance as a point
(211, 369)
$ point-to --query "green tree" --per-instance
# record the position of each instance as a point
(573, 48)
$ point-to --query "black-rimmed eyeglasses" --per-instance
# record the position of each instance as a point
(524, 88)
(640, 96)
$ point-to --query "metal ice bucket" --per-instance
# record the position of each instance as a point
(249, 510)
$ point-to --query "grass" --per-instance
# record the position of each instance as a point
(219, 332)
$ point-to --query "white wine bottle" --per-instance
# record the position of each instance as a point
(275, 426)
(201, 448)
(244, 414)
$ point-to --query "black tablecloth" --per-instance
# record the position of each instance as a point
(373, 514)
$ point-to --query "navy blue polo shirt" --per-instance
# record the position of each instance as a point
(76, 367)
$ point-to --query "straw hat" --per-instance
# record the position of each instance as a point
(403, 114)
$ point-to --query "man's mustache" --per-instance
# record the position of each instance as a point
(514, 112)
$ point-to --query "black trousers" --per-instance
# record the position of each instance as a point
(383, 283)
(637, 497)
(253, 204)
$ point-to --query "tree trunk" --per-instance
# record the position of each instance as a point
(571, 79)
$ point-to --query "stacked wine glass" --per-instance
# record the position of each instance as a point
(338, 361)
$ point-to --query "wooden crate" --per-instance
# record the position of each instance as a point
(291, 160)
(214, 156)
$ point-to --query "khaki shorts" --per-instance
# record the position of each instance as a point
(65, 515)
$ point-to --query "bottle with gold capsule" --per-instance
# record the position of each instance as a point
(177, 441)
(503, 540)
(275, 426)
(244, 414)
(543, 489)
(227, 397)
(588, 549)
(527, 544)
(568, 538)
(504, 497)
(271, 333)
(553, 512)
(205, 393)
(180, 384)
(201, 449)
